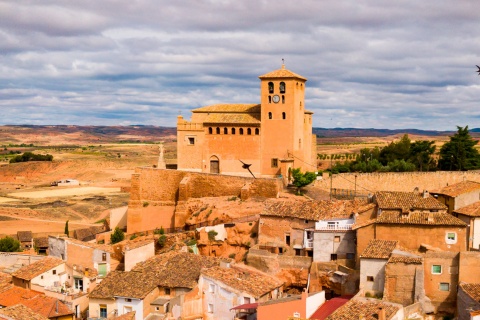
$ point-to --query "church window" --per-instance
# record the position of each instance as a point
(274, 163)
(282, 87)
(233, 130)
(217, 131)
(284, 115)
(191, 141)
(269, 115)
(249, 131)
(257, 131)
(300, 104)
(210, 130)
(283, 99)
(269, 99)
(225, 131)
(241, 131)
(270, 87)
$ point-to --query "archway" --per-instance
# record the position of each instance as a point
(214, 165)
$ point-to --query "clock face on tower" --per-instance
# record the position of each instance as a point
(276, 98)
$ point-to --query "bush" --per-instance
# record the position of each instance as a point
(159, 231)
(9, 244)
(191, 242)
(212, 234)
(29, 156)
(133, 236)
(161, 241)
(232, 255)
(117, 236)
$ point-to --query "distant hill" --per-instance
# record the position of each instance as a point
(355, 132)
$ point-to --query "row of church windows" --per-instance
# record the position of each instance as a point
(271, 87)
(284, 115)
(241, 131)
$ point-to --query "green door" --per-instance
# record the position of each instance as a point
(102, 270)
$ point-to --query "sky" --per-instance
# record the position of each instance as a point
(369, 63)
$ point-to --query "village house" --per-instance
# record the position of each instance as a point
(470, 214)
(458, 195)
(88, 234)
(131, 252)
(85, 255)
(403, 279)
(329, 307)
(468, 300)
(20, 312)
(270, 138)
(41, 245)
(41, 274)
(303, 305)
(26, 239)
(15, 295)
(230, 291)
(368, 309)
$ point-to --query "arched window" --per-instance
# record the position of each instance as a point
(210, 130)
(249, 131)
(283, 99)
(217, 131)
(300, 103)
(282, 87)
(284, 115)
(233, 130)
(225, 131)
(241, 131)
(269, 99)
(270, 87)
(257, 131)
(269, 115)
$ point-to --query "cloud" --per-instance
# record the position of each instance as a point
(368, 64)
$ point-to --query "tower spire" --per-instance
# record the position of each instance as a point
(283, 64)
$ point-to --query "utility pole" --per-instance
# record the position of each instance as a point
(355, 193)
(331, 176)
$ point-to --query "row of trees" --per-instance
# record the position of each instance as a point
(30, 156)
(457, 154)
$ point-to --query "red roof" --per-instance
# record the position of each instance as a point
(246, 306)
(329, 307)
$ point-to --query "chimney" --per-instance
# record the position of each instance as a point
(381, 314)
(426, 194)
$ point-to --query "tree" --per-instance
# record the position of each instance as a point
(301, 180)
(421, 155)
(396, 150)
(117, 236)
(459, 153)
(9, 244)
(66, 228)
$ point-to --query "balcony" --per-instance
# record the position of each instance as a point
(309, 244)
(343, 227)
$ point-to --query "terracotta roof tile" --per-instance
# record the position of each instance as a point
(126, 316)
(87, 234)
(472, 289)
(282, 73)
(253, 282)
(405, 260)
(472, 210)
(47, 306)
(5, 281)
(229, 108)
(41, 242)
(37, 268)
(234, 118)
(459, 188)
(124, 284)
(379, 249)
(24, 236)
(313, 210)
(441, 254)
(16, 295)
(368, 309)
(21, 312)
(102, 247)
(419, 218)
(406, 201)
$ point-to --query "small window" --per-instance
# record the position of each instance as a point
(167, 291)
(270, 87)
(128, 300)
(246, 300)
(257, 131)
(283, 99)
(336, 239)
(210, 308)
(241, 131)
(103, 310)
(41, 277)
(157, 308)
(287, 239)
(269, 115)
(298, 252)
(284, 115)
(370, 278)
(233, 130)
(54, 271)
(217, 130)
(104, 256)
(191, 141)
(269, 99)
(282, 87)
(333, 257)
(436, 269)
(350, 256)
(210, 130)
(274, 163)
(225, 131)
(451, 237)
(211, 288)
(249, 131)
(444, 286)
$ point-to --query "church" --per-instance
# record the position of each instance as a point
(266, 139)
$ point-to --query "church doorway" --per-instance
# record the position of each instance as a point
(214, 165)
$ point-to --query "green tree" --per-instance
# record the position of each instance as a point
(396, 150)
(66, 229)
(301, 180)
(161, 240)
(421, 155)
(117, 236)
(9, 244)
(459, 153)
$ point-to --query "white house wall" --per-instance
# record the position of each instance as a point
(135, 304)
(314, 301)
(376, 269)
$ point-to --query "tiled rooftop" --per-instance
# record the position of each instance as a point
(253, 282)
(472, 210)
(21, 312)
(406, 201)
(441, 254)
(37, 268)
(102, 247)
(234, 118)
(89, 233)
(24, 236)
(229, 108)
(47, 306)
(281, 73)
(419, 218)
(379, 249)
(5, 281)
(459, 188)
(329, 307)
(364, 309)
(472, 289)
(41, 242)
(124, 284)
(405, 260)
(16, 295)
(126, 316)
(313, 210)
